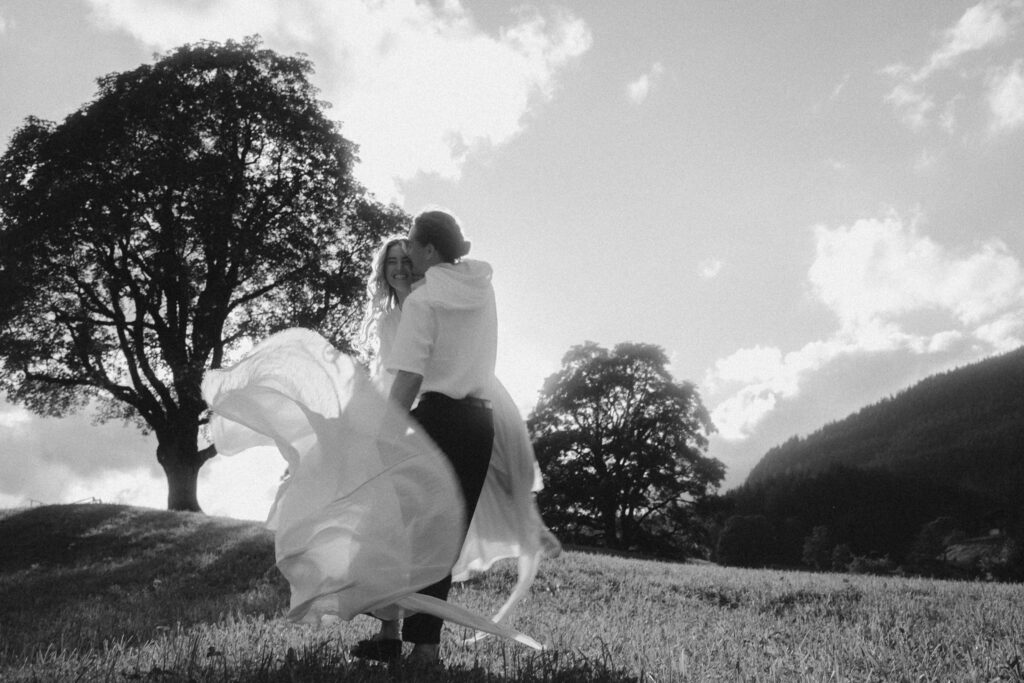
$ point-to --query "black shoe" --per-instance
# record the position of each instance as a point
(379, 650)
(421, 661)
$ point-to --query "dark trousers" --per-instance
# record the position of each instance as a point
(464, 431)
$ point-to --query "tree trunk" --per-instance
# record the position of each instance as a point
(182, 480)
(178, 453)
(611, 528)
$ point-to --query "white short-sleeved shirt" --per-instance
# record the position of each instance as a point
(448, 332)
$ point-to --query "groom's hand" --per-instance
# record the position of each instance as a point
(406, 388)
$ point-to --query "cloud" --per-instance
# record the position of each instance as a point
(891, 289)
(40, 458)
(13, 418)
(764, 376)
(983, 27)
(1003, 334)
(757, 364)
(638, 90)
(912, 105)
(927, 160)
(709, 268)
(1006, 97)
(840, 87)
(879, 269)
(417, 85)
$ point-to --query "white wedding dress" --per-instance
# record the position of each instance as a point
(365, 517)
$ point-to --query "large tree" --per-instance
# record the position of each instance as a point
(622, 446)
(194, 205)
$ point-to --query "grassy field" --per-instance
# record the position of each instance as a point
(116, 593)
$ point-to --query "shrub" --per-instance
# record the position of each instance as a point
(872, 565)
(842, 556)
(818, 548)
(746, 541)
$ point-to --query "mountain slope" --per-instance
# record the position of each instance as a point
(962, 429)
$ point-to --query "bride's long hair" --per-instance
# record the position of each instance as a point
(380, 300)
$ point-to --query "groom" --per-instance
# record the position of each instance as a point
(444, 354)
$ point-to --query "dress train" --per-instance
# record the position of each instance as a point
(365, 517)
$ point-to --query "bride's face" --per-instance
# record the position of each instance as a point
(398, 269)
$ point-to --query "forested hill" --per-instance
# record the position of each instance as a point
(963, 429)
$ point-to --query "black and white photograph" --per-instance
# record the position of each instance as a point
(469, 340)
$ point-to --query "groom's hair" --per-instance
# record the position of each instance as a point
(441, 229)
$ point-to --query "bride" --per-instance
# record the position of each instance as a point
(359, 522)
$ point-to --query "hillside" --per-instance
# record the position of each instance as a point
(117, 593)
(945, 452)
(962, 429)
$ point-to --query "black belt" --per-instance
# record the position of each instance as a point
(469, 400)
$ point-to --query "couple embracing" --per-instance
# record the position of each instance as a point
(350, 501)
(443, 353)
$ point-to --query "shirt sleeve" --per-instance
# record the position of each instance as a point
(414, 339)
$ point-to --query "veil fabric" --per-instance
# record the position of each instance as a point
(370, 510)
(507, 523)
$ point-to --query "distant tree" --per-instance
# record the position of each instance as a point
(926, 553)
(1006, 563)
(842, 556)
(874, 564)
(622, 446)
(791, 533)
(746, 541)
(818, 548)
(192, 206)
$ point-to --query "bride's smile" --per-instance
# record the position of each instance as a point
(398, 269)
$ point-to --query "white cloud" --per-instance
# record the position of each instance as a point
(41, 458)
(912, 105)
(983, 27)
(641, 88)
(765, 376)
(709, 268)
(139, 487)
(879, 269)
(944, 341)
(737, 416)
(926, 161)
(891, 289)
(1004, 333)
(50, 460)
(14, 418)
(840, 87)
(3, 25)
(947, 118)
(757, 364)
(1006, 97)
(417, 85)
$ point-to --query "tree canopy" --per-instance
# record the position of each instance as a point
(622, 447)
(746, 541)
(194, 205)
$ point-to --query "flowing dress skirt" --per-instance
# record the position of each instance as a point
(370, 510)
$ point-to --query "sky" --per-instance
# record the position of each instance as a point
(810, 205)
